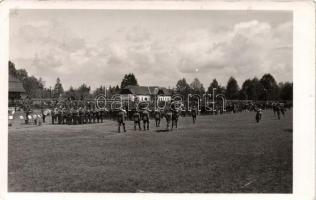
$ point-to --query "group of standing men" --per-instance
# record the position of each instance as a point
(143, 115)
(79, 115)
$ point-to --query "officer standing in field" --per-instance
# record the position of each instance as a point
(194, 114)
(145, 118)
(136, 118)
(121, 117)
(157, 117)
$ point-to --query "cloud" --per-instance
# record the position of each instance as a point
(244, 50)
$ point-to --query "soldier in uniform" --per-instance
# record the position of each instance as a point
(98, 113)
(94, 114)
(86, 115)
(101, 114)
(42, 112)
(68, 116)
(53, 114)
(121, 117)
(194, 114)
(258, 114)
(157, 117)
(81, 115)
(76, 116)
(278, 110)
(90, 116)
(145, 118)
(136, 119)
(64, 116)
(59, 115)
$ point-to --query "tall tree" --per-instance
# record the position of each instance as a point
(182, 87)
(248, 90)
(129, 79)
(270, 87)
(12, 69)
(99, 90)
(215, 84)
(83, 91)
(197, 87)
(232, 89)
(286, 91)
(58, 89)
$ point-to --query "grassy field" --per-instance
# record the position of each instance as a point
(223, 153)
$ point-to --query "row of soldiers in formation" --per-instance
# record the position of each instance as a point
(171, 115)
(81, 115)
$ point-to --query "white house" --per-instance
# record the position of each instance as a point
(145, 93)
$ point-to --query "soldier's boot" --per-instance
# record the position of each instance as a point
(147, 125)
(139, 126)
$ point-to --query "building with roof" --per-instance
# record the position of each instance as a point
(16, 89)
(145, 93)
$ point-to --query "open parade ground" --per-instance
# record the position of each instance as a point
(220, 153)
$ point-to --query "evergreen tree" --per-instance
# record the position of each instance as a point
(232, 89)
(129, 79)
(58, 89)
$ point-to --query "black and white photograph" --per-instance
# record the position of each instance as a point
(150, 101)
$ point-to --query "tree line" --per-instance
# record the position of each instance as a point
(256, 89)
(252, 89)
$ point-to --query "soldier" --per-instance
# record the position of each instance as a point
(101, 114)
(168, 116)
(63, 114)
(90, 116)
(175, 117)
(86, 115)
(81, 115)
(258, 114)
(59, 115)
(53, 114)
(76, 116)
(193, 114)
(157, 117)
(145, 118)
(121, 117)
(68, 116)
(136, 118)
(98, 115)
(42, 112)
(94, 114)
(278, 110)
(72, 115)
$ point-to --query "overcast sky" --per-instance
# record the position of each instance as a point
(98, 47)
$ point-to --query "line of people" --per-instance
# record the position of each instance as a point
(73, 116)
(171, 115)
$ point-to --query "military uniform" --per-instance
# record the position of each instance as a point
(157, 118)
(53, 114)
(193, 113)
(136, 118)
(121, 120)
(145, 118)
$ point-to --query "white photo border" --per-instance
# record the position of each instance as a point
(303, 79)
